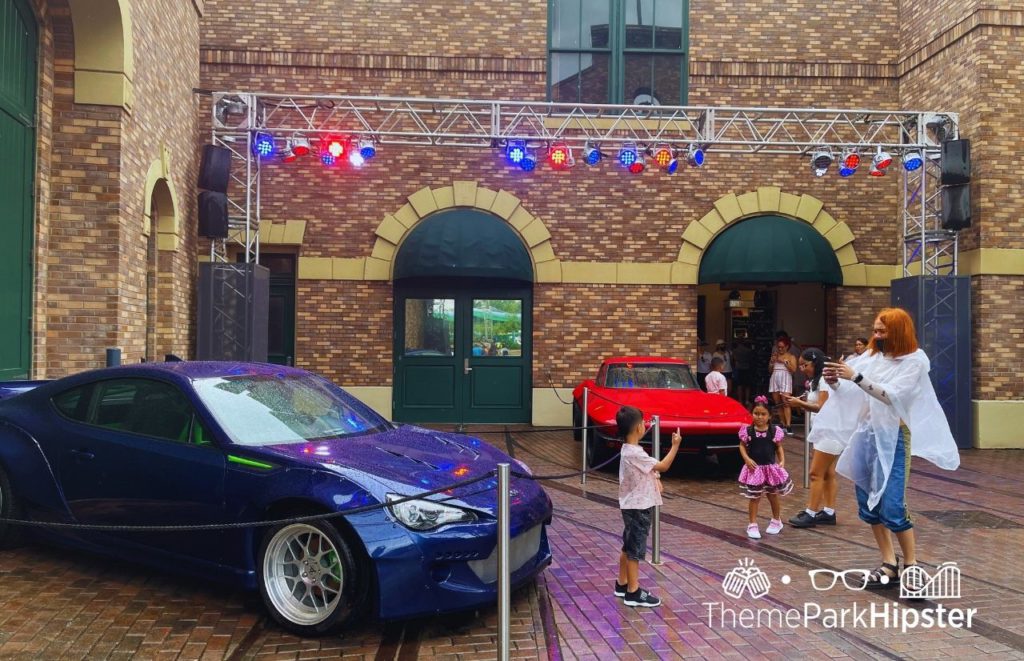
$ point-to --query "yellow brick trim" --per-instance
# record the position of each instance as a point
(855, 275)
(698, 235)
(377, 269)
(485, 198)
(824, 222)
(384, 250)
(589, 272)
(549, 271)
(505, 204)
(728, 208)
(768, 198)
(712, 222)
(391, 230)
(684, 274)
(423, 202)
(995, 423)
(520, 218)
(641, 273)
(749, 203)
(543, 252)
(104, 57)
(348, 268)
(788, 204)
(444, 197)
(464, 193)
(294, 232)
(407, 216)
(689, 254)
(535, 233)
(808, 208)
(992, 261)
(846, 255)
(881, 275)
(840, 235)
(315, 268)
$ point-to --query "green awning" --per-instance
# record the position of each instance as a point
(463, 243)
(770, 249)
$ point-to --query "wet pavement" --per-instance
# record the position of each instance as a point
(57, 604)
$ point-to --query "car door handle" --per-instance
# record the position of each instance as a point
(466, 369)
(82, 455)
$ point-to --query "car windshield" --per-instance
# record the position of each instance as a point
(667, 376)
(284, 408)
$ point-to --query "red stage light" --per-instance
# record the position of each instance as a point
(559, 157)
(663, 156)
(637, 166)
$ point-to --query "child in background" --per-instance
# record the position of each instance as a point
(716, 382)
(639, 493)
(764, 471)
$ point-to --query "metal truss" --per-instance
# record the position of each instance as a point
(927, 248)
(491, 124)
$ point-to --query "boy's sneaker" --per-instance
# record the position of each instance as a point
(774, 527)
(620, 589)
(753, 532)
(823, 518)
(641, 598)
(805, 520)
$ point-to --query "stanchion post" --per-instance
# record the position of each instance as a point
(807, 449)
(656, 526)
(586, 399)
(504, 580)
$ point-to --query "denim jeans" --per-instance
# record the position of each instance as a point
(891, 510)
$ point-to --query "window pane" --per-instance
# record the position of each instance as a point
(668, 24)
(565, 77)
(565, 24)
(116, 403)
(668, 76)
(594, 78)
(653, 79)
(149, 408)
(639, 23)
(429, 326)
(70, 403)
(275, 327)
(497, 327)
(595, 23)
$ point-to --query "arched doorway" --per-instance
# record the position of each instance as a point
(767, 274)
(17, 149)
(463, 321)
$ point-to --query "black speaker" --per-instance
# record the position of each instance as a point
(213, 215)
(215, 168)
(956, 207)
(955, 162)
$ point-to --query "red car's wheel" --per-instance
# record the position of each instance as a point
(10, 535)
(577, 422)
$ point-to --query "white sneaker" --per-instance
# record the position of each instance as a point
(753, 532)
(774, 528)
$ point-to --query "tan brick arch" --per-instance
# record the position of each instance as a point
(395, 227)
(731, 208)
(104, 60)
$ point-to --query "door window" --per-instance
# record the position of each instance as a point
(429, 327)
(497, 327)
(141, 406)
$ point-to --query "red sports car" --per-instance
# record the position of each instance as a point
(657, 386)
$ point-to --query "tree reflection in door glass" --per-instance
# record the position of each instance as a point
(497, 327)
(429, 326)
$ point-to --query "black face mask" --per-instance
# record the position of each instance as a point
(880, 345)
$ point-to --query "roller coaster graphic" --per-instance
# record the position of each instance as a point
(944, 583)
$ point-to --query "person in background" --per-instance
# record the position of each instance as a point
(860, 345)
(721, 351)
(742, 374)
(782, 365)
(716, 381)
(639, 493)
(703, 364)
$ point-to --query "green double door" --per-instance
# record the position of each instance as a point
(462, 351)
(17, 145)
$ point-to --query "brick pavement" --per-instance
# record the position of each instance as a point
(54, 606)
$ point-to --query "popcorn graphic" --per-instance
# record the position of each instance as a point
(746, 577)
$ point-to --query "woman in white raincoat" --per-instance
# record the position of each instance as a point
(878, 400)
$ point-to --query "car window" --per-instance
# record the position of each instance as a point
(143, 406)
(74, 403)
(200, 434)
(650, 375)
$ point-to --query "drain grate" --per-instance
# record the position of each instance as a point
(971, 519)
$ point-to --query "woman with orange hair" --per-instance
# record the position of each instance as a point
(881, 404)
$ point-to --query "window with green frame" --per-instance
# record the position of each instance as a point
(618, 51)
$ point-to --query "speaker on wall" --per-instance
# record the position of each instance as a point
(955, 162)
(213, 215)
(956, 207)
(215, 168)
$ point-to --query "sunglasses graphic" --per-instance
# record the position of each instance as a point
(825, 579)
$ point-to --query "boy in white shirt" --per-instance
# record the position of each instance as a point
(716, 381)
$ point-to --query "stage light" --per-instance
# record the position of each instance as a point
(515, 150)
(875, 171)
(367, 149)
(912, 160)
(560, 157)
(289, 155)
(882, 160)
(638, 166)
(263, 145)
(819, 172)
(529, 161)
(666, 159)
(356, 158)
(628, 154)
(695, 156)
(300, 145)
(333, 145)
(591, 154)
(849, 163)
(821, 160)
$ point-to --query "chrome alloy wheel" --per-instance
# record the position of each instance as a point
(303, 574)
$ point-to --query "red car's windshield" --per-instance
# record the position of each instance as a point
(665, 376)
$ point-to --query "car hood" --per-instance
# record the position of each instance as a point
(675, 405)
(409, 460)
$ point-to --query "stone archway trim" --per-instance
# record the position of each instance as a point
(104, 61)
(167, 226)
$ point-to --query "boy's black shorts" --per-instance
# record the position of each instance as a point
(634, 535)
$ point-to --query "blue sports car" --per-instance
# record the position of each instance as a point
(203, 443)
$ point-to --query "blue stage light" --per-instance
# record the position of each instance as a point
(628, 154)
(529, 161)
(367, 149)
(263, 145)
(515, 151)
(912, 160)
(591, 155)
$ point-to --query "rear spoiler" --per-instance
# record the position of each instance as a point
(10, 389)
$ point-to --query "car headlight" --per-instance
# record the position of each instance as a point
(426, 514)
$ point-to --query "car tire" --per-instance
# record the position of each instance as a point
(308, 578)
(577, 422)
(596, 452)
(10, 508)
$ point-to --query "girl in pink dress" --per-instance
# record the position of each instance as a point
(764, 472)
